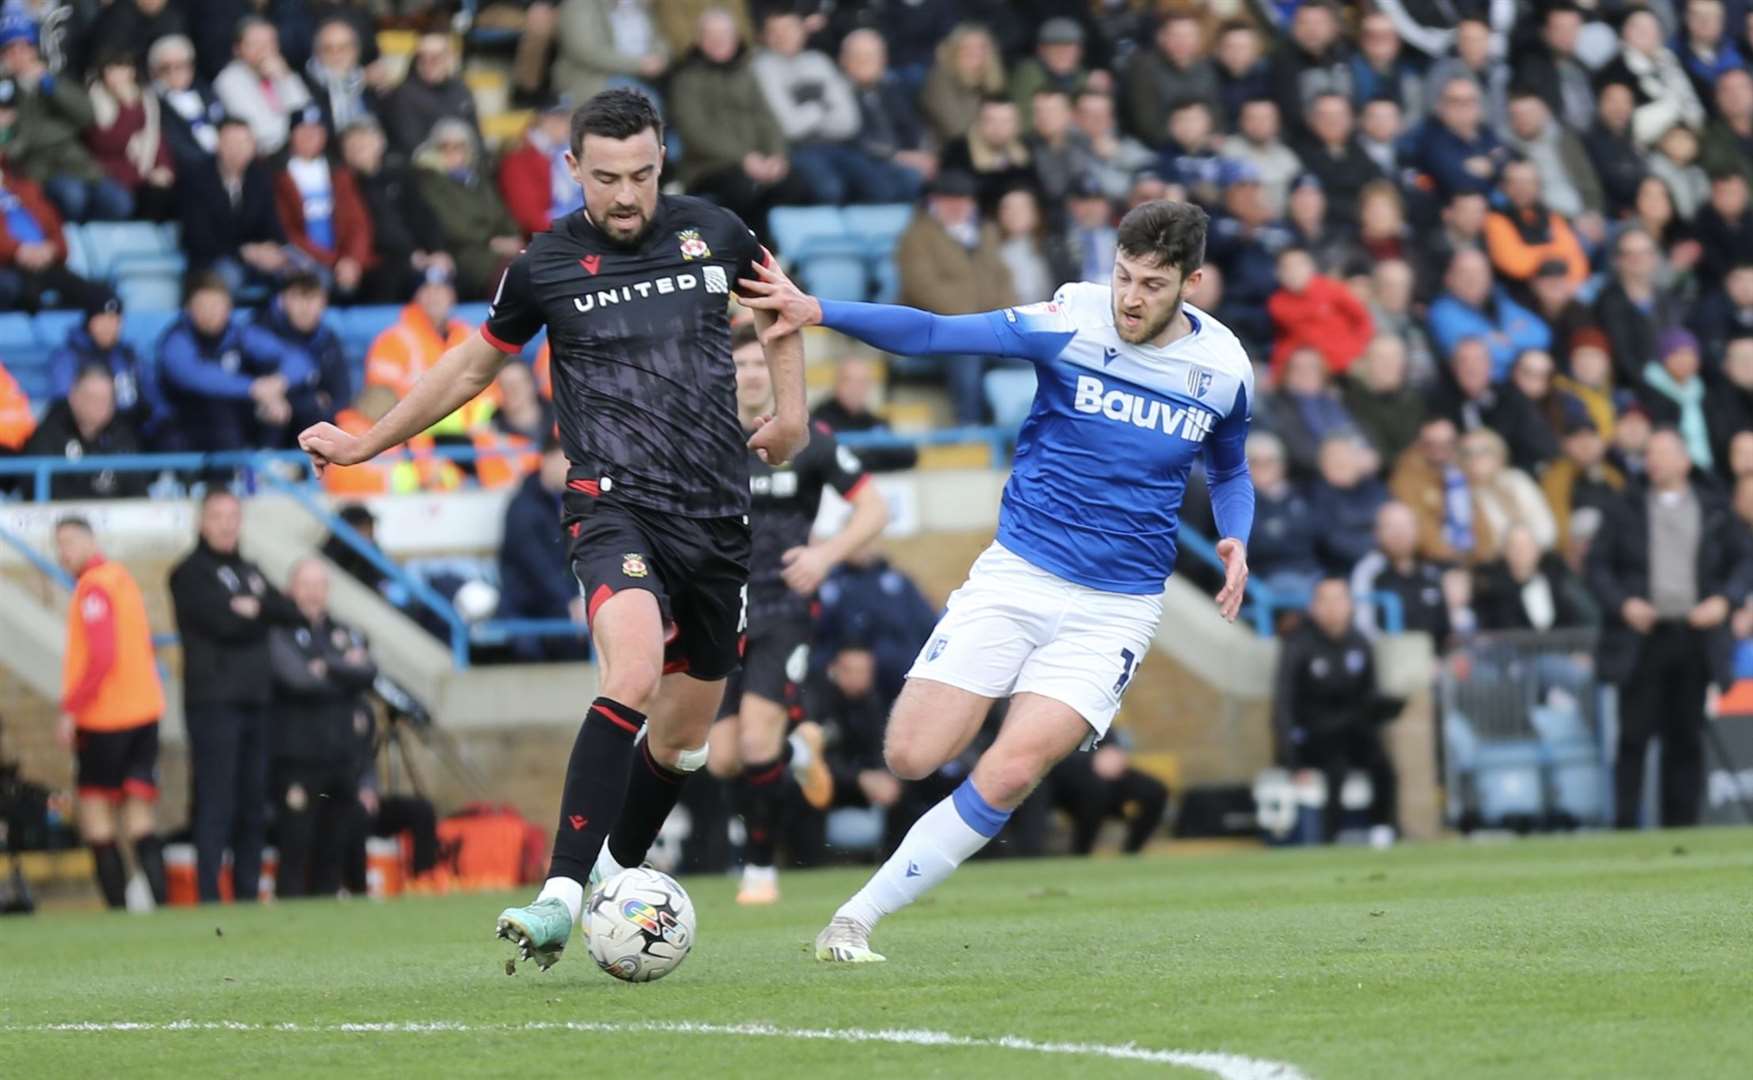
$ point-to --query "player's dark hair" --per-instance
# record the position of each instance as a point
(1167, 232)
(75, 521)
(615, 114)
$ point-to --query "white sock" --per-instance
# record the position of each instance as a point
(606, 865)
(801, 758)
(937, 843)
(759, 875)
(569, 892)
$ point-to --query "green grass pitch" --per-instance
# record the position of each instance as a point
(1583, 957)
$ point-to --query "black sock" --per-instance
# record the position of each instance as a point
(112, 876)
(759, 790)
(149, 853)
(652, 791)
(596, 784)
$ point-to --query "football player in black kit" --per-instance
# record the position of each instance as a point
(633, 289)
(749, 744)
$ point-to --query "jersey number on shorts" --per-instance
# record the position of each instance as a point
(1128, 668)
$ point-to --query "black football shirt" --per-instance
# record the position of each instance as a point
(786, 500)
(644, 386)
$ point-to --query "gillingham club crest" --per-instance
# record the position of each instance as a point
(693, 246)
(1198, 381)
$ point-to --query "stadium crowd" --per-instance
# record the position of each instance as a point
(1493, 260)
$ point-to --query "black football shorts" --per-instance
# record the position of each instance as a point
(118, 764)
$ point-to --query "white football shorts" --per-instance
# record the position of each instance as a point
(1013, 628)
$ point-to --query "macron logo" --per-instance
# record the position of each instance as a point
(1187, 422)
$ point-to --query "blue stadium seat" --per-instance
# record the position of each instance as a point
(142, 329)
(473, 314)
(361, 325)
(17, 334)
(878, 228)
(111, 245)
(834, 277)
(150, 292)
(78, 259)
(888, 280)
(1508, 782)
(806, 232)
(52, 326)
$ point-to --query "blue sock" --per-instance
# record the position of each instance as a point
(937, 843)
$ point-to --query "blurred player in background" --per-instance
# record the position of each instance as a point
(1134, 386)
(110, 705)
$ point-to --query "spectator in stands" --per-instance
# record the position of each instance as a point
(1327, 713)
(126, 135)
(1244, 243)
(1673, 391)
(950, 264)
(535, 580)
(1386, 409)
(1038, 263)
(259, 87)
(1305, 409)
(1631, 437)
(1677, 249)
(360, 519)
(1331, 152)
(295, 316)
(1057, 63)
(1472, 306)
(1590, 378)
(1582, 477)
(1553, 299)
(534, 179)
(1314, 61)
(1435, 32)
(1503, 496)
(410, 348)
(230, 386)
(1093, 788)
(1725, 313)
(33, 251)
(1530, 384)
(403, 229)
(1282, 551)
(1060, 156)
(1463, 229)
(1312, 311)
(867, 601)
(321, 211)
(1532, 589)
(339, 84)
(1382, 230)
(1396, 567)
(83, 424)
(1703, 47)
(322, 730)
(1393, 290)
(1380, 71)
(229, 222)
(189, 110)
(508, 444)
(1454, 147)
(1468, 397)
(1344, 501)
(43, 120)
(853, 714)
(966, 71)
(1550, 68)
(1725, 229)
(432, 92)
(1381, 127)
(478, 231)
(1662, 568)
(849, 408)
(604, 43)
(891, 135)
(1243, 74)
(1173, 72)
(111, 702)
(1190, 154)
(1728, 140)
(224, 607)
(1474, 58)
(1333, 248)
(1429, 482)
(992, 152)
(1674, 161)
(1257, 144)
(813, 104)
(1090, 233)
(1567, 183)
(97, 342)
(736, 150)
(16, 419)
(1729, 404)
(1664, 95)
(1616, 154)
(1633, 309)
(132, 27)
(1526, 234)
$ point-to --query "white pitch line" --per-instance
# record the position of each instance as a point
(1223, 1066)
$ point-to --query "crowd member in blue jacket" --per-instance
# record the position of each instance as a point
(867, 600)
(1471, 306)
(295, 316)
(1454, 147)
(228, 386)
(97, 342)
(535, 581)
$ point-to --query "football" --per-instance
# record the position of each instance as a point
(641, 925)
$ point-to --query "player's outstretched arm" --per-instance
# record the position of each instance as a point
(890, 327)
(460, 374)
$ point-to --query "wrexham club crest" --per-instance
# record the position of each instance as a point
(693, 247)
(633, 565)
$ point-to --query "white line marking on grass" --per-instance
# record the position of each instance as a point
(1223, 1066)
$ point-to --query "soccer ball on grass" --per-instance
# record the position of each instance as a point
(641, 925)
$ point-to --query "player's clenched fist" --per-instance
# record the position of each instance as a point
(329, 445)
(777, 441)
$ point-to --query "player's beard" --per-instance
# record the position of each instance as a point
(1148, 331)
(612, 228)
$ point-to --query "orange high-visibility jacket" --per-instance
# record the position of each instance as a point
(110, 677)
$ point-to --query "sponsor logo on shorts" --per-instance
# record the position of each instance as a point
(633, 565)
(693, 246)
